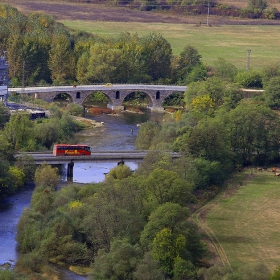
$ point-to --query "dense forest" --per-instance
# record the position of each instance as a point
(134, 225)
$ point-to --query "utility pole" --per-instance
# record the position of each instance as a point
(23, 73)
(248, 60)
(208, 13)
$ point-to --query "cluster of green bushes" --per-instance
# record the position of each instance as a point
(131, 226)
(221, 126)
(20, 134)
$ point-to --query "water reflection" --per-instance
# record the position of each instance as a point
(10, 211)
(119, 132)
(93, 172)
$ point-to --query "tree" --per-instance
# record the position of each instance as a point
(17, 176)
(47, 133)
(156, 52)
(104, 63)
(148, 269)
(6, 186)
(146, 133)
(46, 176)
(253, 133)
(17, 131)
(272, 93)
(167, 248)
(251, 79)
(205, 96)
(209, 140)
(132, 66)
(198, 73)
(203, 105)
(119, 172)
(184, 269)
(27, 165)
(166, 186)
(186, 62)
(225, 70)
(4, 115)
(273, 70)
(119, 263)
(60, 57)
(168, 215)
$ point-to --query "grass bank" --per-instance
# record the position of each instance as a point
(245, 220)
(224, 41)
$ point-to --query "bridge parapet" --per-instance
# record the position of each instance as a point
(115, 93)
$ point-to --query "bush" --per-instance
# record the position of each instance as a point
(75, 109)
(251, 79)
(46, 176)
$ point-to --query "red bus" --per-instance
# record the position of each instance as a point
(71, 150)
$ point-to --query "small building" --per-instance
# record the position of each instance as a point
(4, 77)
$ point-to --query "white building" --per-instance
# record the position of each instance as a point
(4, 72)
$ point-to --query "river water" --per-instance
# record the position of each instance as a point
(118, 133)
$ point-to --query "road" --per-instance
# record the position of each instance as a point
(133, 87)
(134, 155)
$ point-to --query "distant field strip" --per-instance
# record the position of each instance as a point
(226, 41)
(246, 223)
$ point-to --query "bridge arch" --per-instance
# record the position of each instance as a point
(144, 98)
(63, 96)
(87, 95)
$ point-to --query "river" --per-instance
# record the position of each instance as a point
(118, 133)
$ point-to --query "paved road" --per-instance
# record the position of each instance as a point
(95, 157)
(139, 87)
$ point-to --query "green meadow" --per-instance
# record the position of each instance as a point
(245, 221)
(230, 42)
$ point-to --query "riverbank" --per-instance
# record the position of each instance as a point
(88, 123)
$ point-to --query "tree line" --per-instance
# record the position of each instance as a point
(41, 51)
(20, 134)
(254, 9)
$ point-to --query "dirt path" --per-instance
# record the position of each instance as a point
(199, 217)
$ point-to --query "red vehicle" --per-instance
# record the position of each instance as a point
(71, 150)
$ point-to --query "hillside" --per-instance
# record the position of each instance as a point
(77, 10)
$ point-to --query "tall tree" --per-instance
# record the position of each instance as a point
(253, 133)
(157, 56)
(104, 64)
(17, 131)
(272, 93)
(60, 57)
(186, 61)
(4, 114)
(146, 133)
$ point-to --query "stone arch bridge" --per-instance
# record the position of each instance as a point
(116, 93)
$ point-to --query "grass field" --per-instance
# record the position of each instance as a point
(225, 41)
(225, 37)
(246, 222)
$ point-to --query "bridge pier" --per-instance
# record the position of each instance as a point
(117, 108)
(70, 169)
(156, 109)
